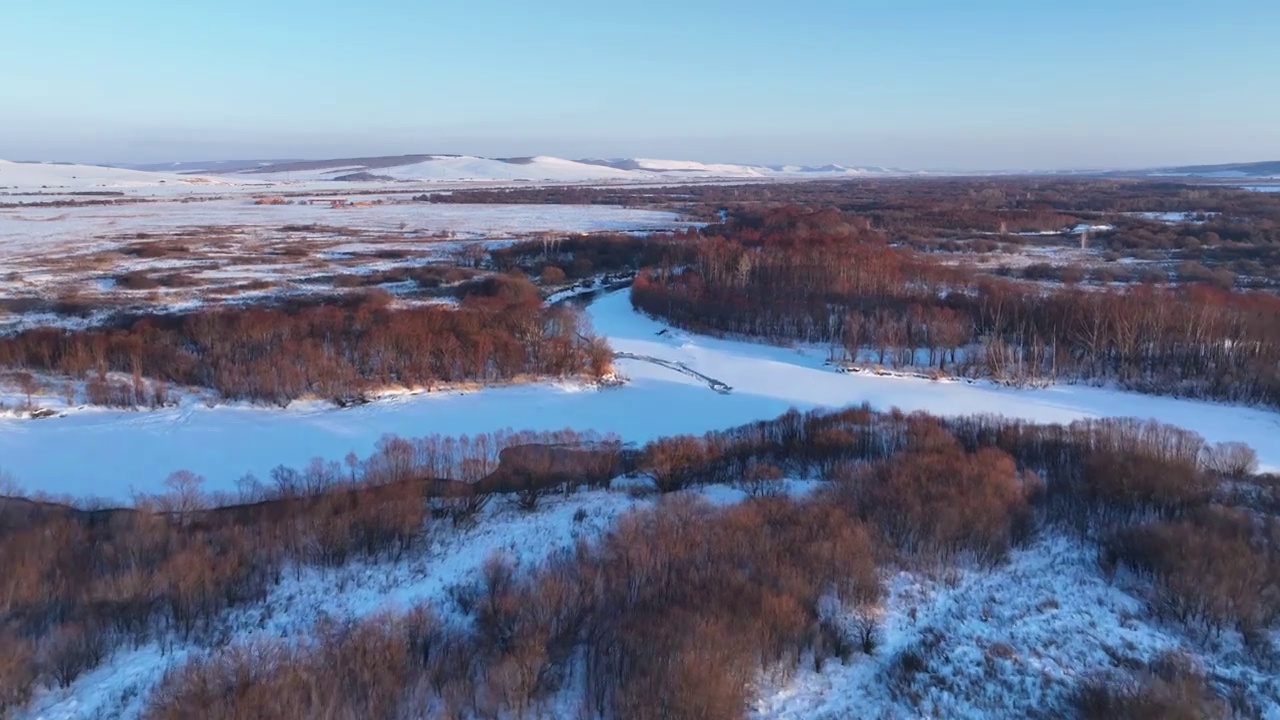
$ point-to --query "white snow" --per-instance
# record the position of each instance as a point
(1004, 642)
(32, 230)
(694, 169)
(105, 453)
(543, 168)
(999, 641)
(1172, 218)
(437, 172)
(118, 688)
(445, 168)
(684, 166)
(86, 177)
(1087, 227)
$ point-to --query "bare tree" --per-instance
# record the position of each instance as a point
(9, 484)
(185, 493)
(1231, 459)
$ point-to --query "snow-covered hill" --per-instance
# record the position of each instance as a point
(698, 169)
(62, 178)
(541, 168)
(203, 166)
(59, 176)
(1268, 169)
(404, 169)
(439, 168)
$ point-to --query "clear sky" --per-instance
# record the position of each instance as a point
(974, 84)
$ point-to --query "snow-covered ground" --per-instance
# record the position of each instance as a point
(999, 642)
(117, 689)
(1173, 218)
(232, 248)
(106, 453)
(432, 170)
(1006, 642)
(543, 168)
(25, 231)
(466, 168)
(57, 176)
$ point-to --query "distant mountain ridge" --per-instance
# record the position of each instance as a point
(545, 168)
(206, 166)
(464, 169)
(1264, 169)
(415, 168)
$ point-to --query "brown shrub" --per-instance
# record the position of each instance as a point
(1126, 482)
(675, 463)
(501, 331)
(137, 280)
(552, 275)
(1211, 571)
(1169, 688)
(1231, 459)
(361, 670)
(935, 498)
(671, 616)
(17, 671)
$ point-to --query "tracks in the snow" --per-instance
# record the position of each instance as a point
(714, 384)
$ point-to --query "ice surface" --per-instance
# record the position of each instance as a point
(105, 453)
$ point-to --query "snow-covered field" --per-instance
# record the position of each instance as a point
(47, 229)
(1173, 218)
(106, 453)
(543, 168)
(56, 176)
(232, 248)
(430, 170)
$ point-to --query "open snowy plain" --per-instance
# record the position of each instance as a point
(169, 253)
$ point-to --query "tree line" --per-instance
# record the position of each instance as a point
(339, 349)
(792, 275)
(916, 211)
(554, 258)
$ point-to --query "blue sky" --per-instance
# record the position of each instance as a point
(942, 84)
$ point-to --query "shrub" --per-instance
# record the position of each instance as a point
(1210, 571)
(762, 480)
(1231, 459)
(1126, 482)
(675, 463)
(937, 499)
(137, 280)
(1168, 688)
(552, 275)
